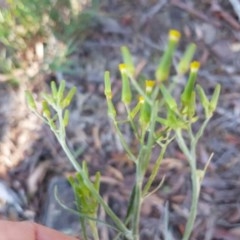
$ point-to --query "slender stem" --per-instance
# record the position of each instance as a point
(135, 131)
(94, 230)
(194, 177)
(201, 130)
(139, 90)
(137, 206)
(182, 145)
(191, 156)
(70, 156)
(193, 209)
(155, 170)
(88, 182)
(83, 228)
(141, 166)
(61, 138)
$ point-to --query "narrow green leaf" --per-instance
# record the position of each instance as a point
(61, 91)
(107, 85)
(171, 102)
(97, 181)
(30, 100)
(215, 97)
(48, 98)
(46, 110)
(135, 110)
(54, 89)
(130, 207)
(126, 89)
(203, 99)
(68, 99)
(66, 117)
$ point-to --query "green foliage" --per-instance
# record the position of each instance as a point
(86, 203)
(55, 114)
(58, 100)
(126, 91)
(25, 20)
(163, 69)
(157, 118)
(24, 23)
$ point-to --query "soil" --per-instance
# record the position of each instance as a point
(31, 159)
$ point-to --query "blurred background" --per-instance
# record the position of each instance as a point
(77, 40)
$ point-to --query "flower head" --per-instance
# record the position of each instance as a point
(174, 35)
(194, 67)
(122, 67)
(149, 84)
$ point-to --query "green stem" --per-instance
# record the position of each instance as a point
(91, 187)
(194, 178)
(141, 167)
(140, 91)
(94, 229)
(191, 156)
(193, 209)
(70, 156)
(155, 170)
(201, 130)
(83, 228)
(137, 208)
(132, 122)
(61, 138)
(123, 142)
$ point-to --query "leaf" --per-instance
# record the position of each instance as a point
(30, 100)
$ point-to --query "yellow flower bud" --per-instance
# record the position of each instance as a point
(149, 84)
(122, 67)
(189, 88)
(141, 99)
(194, 67)
(174, 35)
(163, 69)
(126, 89)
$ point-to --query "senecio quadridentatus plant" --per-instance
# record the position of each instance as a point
(156, 117)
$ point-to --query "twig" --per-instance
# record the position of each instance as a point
(194, 12)
(225, 15)
(151, 12)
